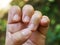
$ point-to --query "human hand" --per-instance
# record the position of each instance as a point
(26, 27)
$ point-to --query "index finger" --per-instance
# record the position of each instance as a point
(14, 14)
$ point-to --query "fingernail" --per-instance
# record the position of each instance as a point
(26, 19)
(28, 11)
(44, 20)
(14, 10)
(36, 17)
(16, 17)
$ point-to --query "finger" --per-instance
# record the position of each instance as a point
(21, 36)
(28, 11)
(44, 24)
(14, 14)
(35, 20)
(44, 21)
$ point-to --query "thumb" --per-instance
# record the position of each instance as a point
(21, 36)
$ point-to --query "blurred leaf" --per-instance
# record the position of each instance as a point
(50, 38)
(53, 21)
(51, 0)
(57, 28)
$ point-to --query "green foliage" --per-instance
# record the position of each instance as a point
(18, 2)
(57, 28)
(2, 31)
(2, 25)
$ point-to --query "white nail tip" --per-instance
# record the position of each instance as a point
(16, 17)
(26, 19)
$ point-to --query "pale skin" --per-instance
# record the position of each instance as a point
(26, 26)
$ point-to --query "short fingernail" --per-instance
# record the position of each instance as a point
(27, 11)
(44, 20)
(16, 18)
(26, 19)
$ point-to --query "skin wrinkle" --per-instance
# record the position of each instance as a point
(33, 43)
(44, 28)
(9, 39)
(39, 39)
(29, 42)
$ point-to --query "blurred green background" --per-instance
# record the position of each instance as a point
(51, 8)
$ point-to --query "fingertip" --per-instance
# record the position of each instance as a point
(36, 17)
(14, 14)
(44, 21)
(44, 25)
(28, 11)
(35, 20)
